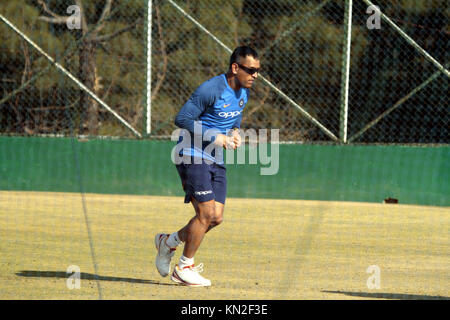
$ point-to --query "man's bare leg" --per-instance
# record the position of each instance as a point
(207, 215)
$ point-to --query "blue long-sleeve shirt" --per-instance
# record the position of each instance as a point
(213, 105)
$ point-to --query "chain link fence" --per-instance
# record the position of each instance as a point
(396, 93)
(100, 43)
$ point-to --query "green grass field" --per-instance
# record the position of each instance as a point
(265, 249)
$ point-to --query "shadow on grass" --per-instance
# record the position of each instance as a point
(397, 296)
(86, 276)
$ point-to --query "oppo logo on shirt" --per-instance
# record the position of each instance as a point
(230, 114)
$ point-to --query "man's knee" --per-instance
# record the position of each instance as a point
(210, 218)
(206, 215)
(218, 219)
(210, 214)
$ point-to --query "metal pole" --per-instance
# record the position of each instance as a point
(149, 69)
(345, 72)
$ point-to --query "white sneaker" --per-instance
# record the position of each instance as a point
(164, 255)
(190, 276)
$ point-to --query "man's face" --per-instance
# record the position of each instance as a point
(245, 71)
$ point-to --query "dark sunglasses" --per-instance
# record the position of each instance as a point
(250, 71)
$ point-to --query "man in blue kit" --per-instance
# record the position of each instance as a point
(214, 112)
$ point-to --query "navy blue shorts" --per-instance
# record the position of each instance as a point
(203, 181)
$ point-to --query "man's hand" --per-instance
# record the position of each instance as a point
(225, 141)
(236, 138)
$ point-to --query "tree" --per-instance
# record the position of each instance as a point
(91, 40)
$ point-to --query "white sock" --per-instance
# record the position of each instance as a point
(174, 240)
(184, 261)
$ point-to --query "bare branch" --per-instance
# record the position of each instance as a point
(113, 81)
(27, 66)
(103, 47)
(60, 20)
(48, 11)
(106, 11)
(54, 18)
(105, 14)
(84, 26)
(117, 33)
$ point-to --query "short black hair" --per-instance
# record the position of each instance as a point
(242, 52)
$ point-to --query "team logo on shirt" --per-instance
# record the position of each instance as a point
(241, 103)
(230, 114)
